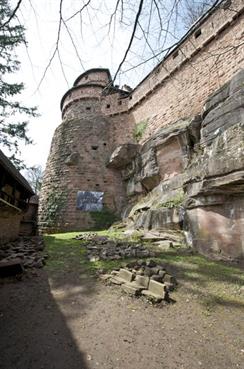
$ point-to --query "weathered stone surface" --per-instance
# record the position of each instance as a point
(28, 250)
(157, 278)
(131, 289)
(141, 281)
(72, 159)
(216, 98)
(218, 230)
(135, 287)
(134, 188)
(169, 279)
(223, 116)
(167, 236)
(164, 245)
(155, 290)
(105, 277)
(123, 277)
(160, 219)
(103, 248)
(89, 137)
(123, 155)
(237, 82)
(143, 277)
(149, 175)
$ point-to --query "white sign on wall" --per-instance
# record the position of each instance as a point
(89, 200)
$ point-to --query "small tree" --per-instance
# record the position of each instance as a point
(34, 176)
(11, 130)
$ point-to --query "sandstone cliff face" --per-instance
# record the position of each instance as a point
(190, 175)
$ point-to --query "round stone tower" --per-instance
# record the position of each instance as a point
(79, 192)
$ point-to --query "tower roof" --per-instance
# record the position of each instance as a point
(93, 70)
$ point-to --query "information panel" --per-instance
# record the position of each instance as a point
(89, 200)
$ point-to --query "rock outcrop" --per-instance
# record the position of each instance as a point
(190, 175)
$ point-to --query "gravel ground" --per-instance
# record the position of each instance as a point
(71, 321)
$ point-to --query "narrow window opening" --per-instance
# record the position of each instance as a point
(120, 102)
(88, 108)
(97, 184)
(198, 33)
(94, 147)
(104, 144)
(130, 97)
(108, 106)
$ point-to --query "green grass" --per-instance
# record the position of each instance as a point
(213, 283)
(66, 254)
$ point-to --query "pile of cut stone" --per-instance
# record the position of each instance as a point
(145, 278)
(103, 248)
(26, 252)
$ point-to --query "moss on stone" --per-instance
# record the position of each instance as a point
(175, 201)
(139, 130)
(103, 219)
(55, 203)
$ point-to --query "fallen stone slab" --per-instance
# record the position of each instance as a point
(157, 277)
(156, 291)
(131, 290)
(105, 277)
(135, 287)
(170, 279)
(123, 277)
(115, 272)
(9, 268)
(163, 244)
(153, 236)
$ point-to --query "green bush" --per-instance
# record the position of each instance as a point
(103, 219)
(139, 130)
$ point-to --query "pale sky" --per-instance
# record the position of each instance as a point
(95, 46)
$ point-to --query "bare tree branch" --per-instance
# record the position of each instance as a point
(131, 38)
(56, 46)
(79, 11)
(12, 15)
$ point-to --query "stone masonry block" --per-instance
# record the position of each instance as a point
(135, 287)
(170, 279)
(155, 290)
(126, 275)
(141, 281)
(123, 277)
(131, 290)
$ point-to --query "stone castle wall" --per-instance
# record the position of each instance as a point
(97, 120)
(77, 162)
(178, 86)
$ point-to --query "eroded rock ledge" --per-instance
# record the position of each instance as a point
(190, 176)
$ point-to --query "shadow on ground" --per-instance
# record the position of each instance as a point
(212, 282)
(34, 333)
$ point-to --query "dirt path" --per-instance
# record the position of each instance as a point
(69, 321)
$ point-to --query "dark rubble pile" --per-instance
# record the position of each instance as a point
(143, 278)
(27, 251)
(103, 248)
